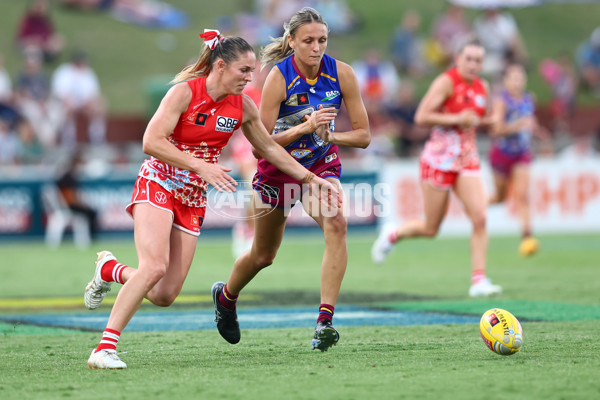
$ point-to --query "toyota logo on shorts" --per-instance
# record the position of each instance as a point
(160, 197)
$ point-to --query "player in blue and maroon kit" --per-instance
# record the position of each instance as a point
(301, 97)
(193, 123)
(511, 153)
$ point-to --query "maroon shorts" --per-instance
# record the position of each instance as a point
(503, 164)
(187, 219)
(282, 191)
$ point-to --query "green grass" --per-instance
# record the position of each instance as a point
(127, 58)
(558, 360)
(564, 270)
(441, 362)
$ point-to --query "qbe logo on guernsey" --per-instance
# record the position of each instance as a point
(225, 124)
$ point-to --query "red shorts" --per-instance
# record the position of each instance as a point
(445, 180)
(187, 219)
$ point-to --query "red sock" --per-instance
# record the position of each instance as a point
(477, 276)
(393, 238)
(112, 271)
(109, 341)
(226, 299)
(325, 312)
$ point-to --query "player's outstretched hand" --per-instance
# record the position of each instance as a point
(217, 176)
(328, 194)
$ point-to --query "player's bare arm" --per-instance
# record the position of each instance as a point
(360, 135)
(429, 111)
(156, 143)
(273, 94)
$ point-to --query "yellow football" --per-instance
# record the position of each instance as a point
(528, 246)
(501, 331)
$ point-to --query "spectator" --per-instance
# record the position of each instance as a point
(10, 144)
(499, 34)
(561, 77)
(5, 84)
(449, 30)
(36, 29)
(378, 82)
(76, 85)
(588, 62)
(32, 151)
(406, 45)
(68, 184)
(34, 102)
(377, 78)
(409, 137)
(338, 15)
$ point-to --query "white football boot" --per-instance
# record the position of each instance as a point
(105, 359)
(484, 288)
(382, 246)
(97, 288)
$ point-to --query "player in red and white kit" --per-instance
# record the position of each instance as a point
(185, 137)
(454, 106)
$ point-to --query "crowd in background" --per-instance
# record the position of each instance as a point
(48, 101)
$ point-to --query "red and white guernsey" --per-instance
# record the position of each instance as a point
(449, 148)
(202, 131)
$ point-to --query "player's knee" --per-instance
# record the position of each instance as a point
(164, 299)
(479, 220)
(264, 259)
(337, 225)
(431, 231)
(154, 273)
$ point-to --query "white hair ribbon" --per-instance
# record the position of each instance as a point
(211, 37)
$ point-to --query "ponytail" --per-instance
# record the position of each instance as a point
(280, 47)
(217, 47)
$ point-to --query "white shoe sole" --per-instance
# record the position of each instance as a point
(97, 275)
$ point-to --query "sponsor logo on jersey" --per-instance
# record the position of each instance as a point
(312, 90)
(225, 124)
(198, 105)
(292, 120)
(298, 99)
(330, 95)
(160, 197)
(201, 119)
(197, 221)
(330, 158)
(300, 153)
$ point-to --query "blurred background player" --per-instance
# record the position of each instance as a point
(185, 138)
(455, 105)
(245, 162)
(301, 97)
(513, 125)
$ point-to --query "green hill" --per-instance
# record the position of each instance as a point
(128, 58)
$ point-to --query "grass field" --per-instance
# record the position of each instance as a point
(127, 58)
(555, 294)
